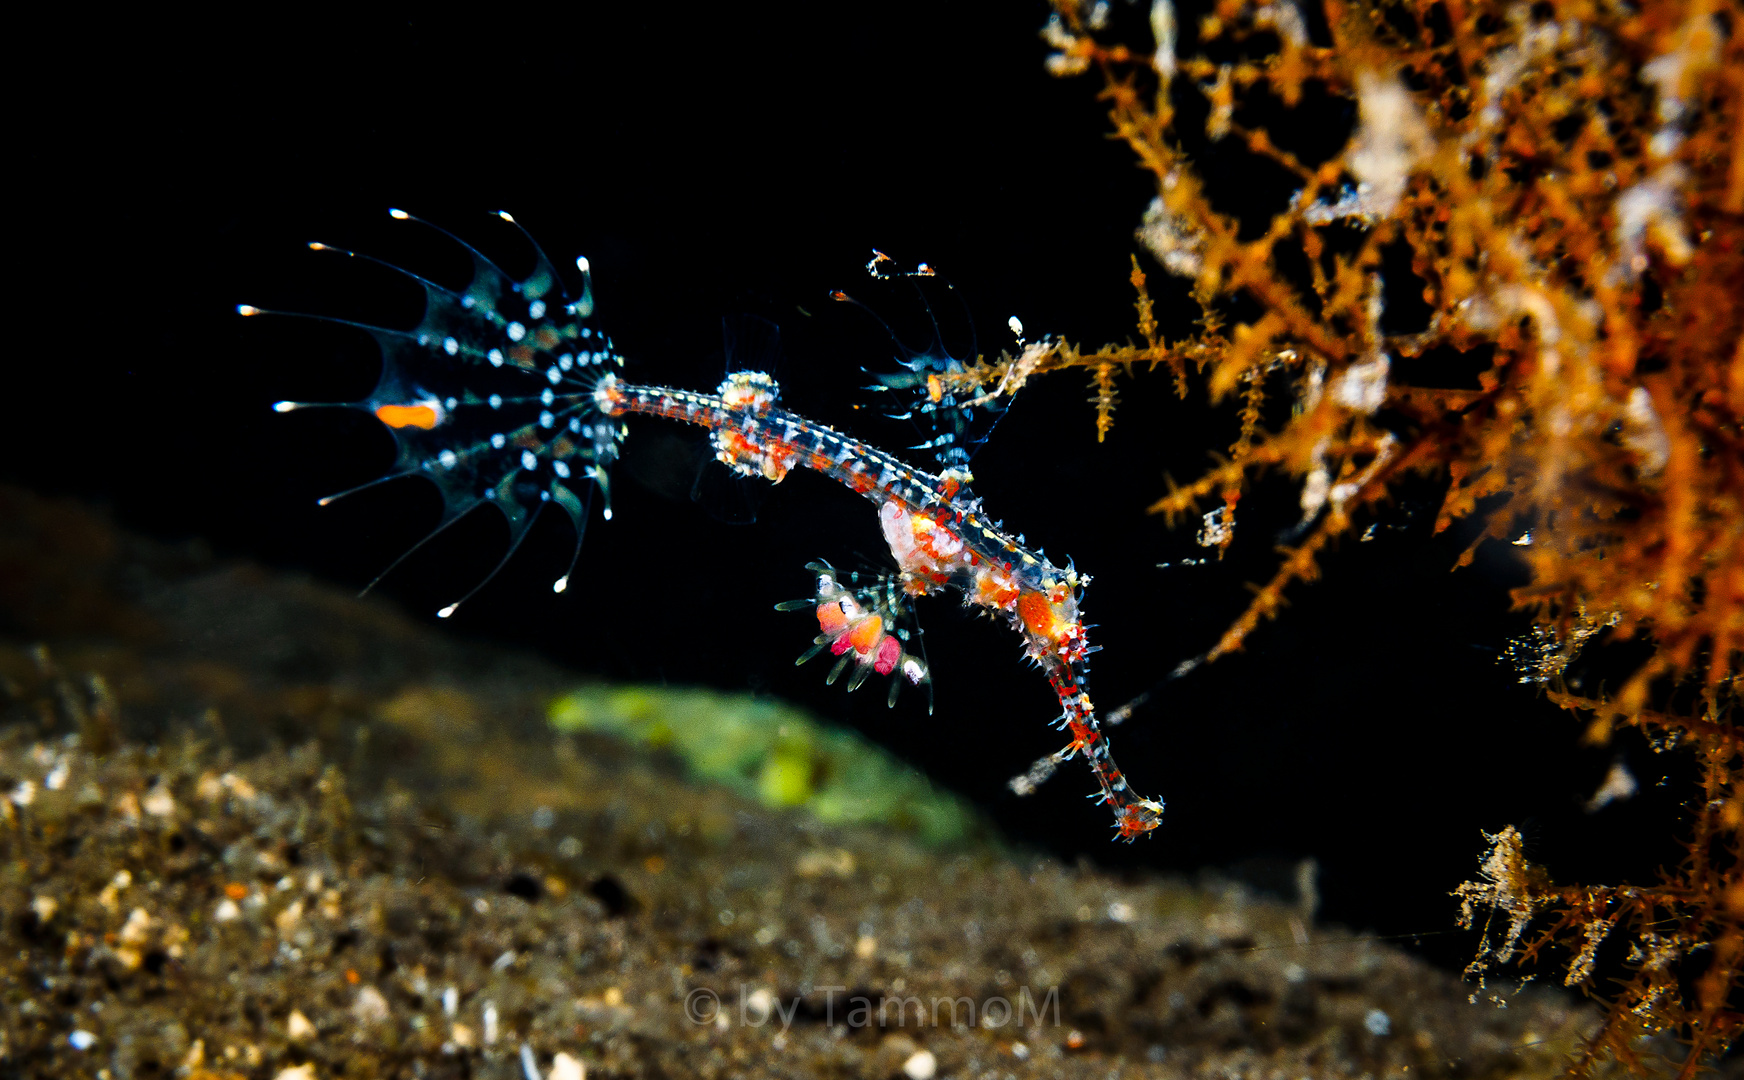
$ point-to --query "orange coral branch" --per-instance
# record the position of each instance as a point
(1589, 238)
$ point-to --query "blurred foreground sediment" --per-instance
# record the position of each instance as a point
(252, 827)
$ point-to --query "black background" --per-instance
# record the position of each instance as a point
(747, 160)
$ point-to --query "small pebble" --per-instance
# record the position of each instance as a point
(370, 1007)
(1378, 1022)
(227, 910)
(158, 802)
(81, 1039)
(564, 1067)
(921, 1065)
(297, 1025)
(137, 928)
(288, 919)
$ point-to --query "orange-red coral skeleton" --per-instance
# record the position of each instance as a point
(503, 395)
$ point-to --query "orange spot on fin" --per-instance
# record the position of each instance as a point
(401, 416)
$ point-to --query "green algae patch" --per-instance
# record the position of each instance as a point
(775, 754)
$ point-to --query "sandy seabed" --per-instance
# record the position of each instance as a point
(250, 827)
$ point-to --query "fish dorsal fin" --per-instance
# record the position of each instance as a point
(950, 402)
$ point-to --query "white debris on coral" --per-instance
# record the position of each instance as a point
(1363, 386)
(1578, 43)
(1513, 300)
(1674, 76)
(1313, 387)
(1214, 531)
(1176, 242)
(1391, 141)
(1286, 18)
(1222, 95)
(1652, 209)
(1644, 434)
(1619, 785)
(1342, 492)
(1316, 487)
(1068, 61)
(1163, 30)
(1351, 204)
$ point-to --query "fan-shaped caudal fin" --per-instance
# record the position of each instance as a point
(491, 397)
